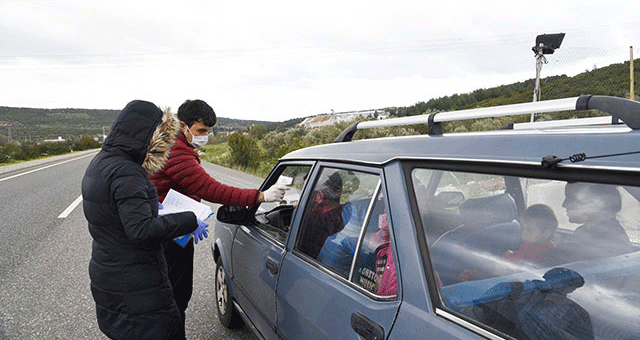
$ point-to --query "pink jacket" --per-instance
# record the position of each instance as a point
(389, 281)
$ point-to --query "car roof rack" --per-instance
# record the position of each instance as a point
(625, 110)
(561, 123)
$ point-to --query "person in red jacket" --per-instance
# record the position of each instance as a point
(182, 172)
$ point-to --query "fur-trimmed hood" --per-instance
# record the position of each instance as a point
(163, 139)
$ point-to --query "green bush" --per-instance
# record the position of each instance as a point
(57, 148)
(257, 131)
(85, 142)
(26, 151)
(245, 151)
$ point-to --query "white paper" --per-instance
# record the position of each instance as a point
(285, 180)
(176, 202)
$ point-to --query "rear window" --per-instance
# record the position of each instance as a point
(534, 258)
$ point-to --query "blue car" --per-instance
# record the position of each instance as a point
(527, 232)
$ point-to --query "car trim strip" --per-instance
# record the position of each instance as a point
(363, 229)
(488, 161)
(467, 324)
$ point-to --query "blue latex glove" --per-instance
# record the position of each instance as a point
(201, 232)
(160, 206)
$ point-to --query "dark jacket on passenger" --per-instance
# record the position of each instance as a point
(128, 272)
(593, 241)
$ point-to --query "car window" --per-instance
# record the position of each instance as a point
(274, 218)
(341, 216)
(294, 176)
(375, 268)
(566, 264)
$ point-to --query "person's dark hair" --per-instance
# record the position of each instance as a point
(608, 194)
(332, 187)
(192, 111)
(542, 214)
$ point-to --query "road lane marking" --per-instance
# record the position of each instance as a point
(70, 208)
(45, 167)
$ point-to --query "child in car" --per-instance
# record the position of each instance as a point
(538, 226)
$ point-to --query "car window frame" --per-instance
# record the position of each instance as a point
(567, 173)
(377, 170)
(271, 179)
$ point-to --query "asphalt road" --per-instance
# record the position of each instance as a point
(45, 249)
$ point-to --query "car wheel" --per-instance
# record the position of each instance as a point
(227, 315)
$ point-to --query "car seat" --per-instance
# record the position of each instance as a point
(489, 228)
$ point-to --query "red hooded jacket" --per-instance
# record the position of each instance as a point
(182, 172)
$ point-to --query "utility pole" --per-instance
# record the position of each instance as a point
(632, 80)
(545, 44)
(8, 125)
(540, 59)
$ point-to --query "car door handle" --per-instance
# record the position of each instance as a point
(366, 328)
(272, 265)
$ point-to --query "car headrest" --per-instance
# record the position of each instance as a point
(486, 211)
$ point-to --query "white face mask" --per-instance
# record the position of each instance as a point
(198, 141)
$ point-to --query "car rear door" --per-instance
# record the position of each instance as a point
(330, 293)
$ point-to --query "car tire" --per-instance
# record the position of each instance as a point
(227, 314)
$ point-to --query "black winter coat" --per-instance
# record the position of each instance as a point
(128, 271)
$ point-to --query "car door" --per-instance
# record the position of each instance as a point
(330, 283)
(258, 249)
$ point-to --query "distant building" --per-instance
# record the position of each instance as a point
(328, 119)
(59, 140)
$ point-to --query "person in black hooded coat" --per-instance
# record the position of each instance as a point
(128, 271)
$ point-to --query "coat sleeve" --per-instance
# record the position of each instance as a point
(184, 169)
(139, 218)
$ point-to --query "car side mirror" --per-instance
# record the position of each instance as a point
(234, 214)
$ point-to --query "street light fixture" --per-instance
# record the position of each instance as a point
(545, 44)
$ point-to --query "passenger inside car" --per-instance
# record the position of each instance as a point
(594, 206)
(590, 288)
(323, 218)
(338, 250)
(536, 309)
(386, 279)
(538, 224)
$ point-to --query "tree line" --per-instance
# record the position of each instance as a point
(12, 152)
(256, 150)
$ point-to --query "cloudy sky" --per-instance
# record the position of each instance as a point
(278, 60)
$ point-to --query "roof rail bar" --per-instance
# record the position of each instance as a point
(562, 123)
(623, 109)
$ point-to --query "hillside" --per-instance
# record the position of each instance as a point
(40, 124)
(612, 80)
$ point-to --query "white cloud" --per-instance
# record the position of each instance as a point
(285, 59)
